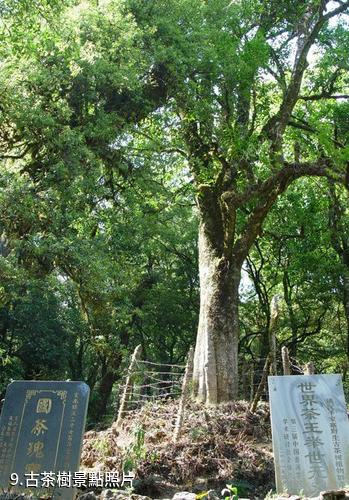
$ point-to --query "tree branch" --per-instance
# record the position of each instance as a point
(339, 10)
(303, 125)
(275, 126)
(324, 95)
(267, 193)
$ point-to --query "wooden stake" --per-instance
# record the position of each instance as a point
(252, 382)
(244, 379)
(309, 369)
(262, 383)
(128, 384)
(274, 316)
(188, 375)
(286, 364)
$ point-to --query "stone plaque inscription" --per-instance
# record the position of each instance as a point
(310, 431)
(41, 430)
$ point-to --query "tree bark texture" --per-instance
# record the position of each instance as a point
(215, 376)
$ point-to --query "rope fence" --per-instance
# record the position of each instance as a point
(254, 374)
(148, 382)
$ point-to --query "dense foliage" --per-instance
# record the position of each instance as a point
(116, 116)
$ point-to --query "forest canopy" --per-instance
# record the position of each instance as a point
(168, 171)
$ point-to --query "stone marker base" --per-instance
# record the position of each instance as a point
(324, 495)
(334, 495)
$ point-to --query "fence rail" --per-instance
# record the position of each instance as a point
(147, 381)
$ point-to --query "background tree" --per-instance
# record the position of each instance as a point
(294, 259)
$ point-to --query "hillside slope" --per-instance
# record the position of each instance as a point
(217, 446)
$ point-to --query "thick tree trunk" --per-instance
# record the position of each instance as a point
(215, 375)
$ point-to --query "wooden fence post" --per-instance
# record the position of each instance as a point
(309, 368)
(128, 384)
(188, 375)
(251, 382)
(244, 379)
(286, 364)
(270, 362)
(262, 383)
(274, 316)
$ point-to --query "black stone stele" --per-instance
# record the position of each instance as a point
(41, 431)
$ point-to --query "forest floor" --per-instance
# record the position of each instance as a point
(217, 446)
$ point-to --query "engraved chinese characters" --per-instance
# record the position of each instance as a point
(310, 431)
(41, 430)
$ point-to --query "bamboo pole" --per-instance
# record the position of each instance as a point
(128, 384)
(188, 375)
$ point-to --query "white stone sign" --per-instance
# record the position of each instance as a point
(310, 430)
